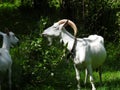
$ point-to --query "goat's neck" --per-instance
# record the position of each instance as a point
(67, 39)
(6, 43)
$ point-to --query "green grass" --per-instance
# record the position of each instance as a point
(111, 81)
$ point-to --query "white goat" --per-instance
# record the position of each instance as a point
(9, 39)
(89, 52)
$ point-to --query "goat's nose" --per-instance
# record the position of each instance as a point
(43, 34)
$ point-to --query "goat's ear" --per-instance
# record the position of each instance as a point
(7, 31)
(63, 25)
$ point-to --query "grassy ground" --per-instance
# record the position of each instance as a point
(111, 81)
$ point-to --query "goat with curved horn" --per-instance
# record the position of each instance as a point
(89, 53)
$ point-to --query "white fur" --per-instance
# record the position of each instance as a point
(5, 57)
(90, 52)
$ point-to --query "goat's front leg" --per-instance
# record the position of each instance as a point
(77, 76)
(100, 74)
(91, 76)
(9, 76)
(86, 76)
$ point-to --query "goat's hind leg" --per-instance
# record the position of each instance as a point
(100, 74)
(99, 70)
(91, 76)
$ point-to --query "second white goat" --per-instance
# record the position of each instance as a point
(9, 39)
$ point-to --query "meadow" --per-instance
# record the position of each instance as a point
(37, 66)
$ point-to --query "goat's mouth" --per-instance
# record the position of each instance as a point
(17, 43)
(45, 35)
(49, 39)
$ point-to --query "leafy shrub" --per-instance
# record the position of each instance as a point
(113, 55)
(40, 61)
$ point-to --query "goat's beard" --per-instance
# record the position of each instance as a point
(49, 40)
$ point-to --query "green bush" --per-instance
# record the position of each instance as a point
(39, 61)
(113, 52)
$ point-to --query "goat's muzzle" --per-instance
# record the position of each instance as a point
(48, 37)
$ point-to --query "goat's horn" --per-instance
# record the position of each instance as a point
(69, 22)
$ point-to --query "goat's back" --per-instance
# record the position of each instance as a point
(91, 50)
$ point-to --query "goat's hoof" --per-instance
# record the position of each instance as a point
(78, 87)
(93, 88)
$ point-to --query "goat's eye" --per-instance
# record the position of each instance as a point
(55, 28)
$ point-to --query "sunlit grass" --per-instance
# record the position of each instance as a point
(111, 76)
